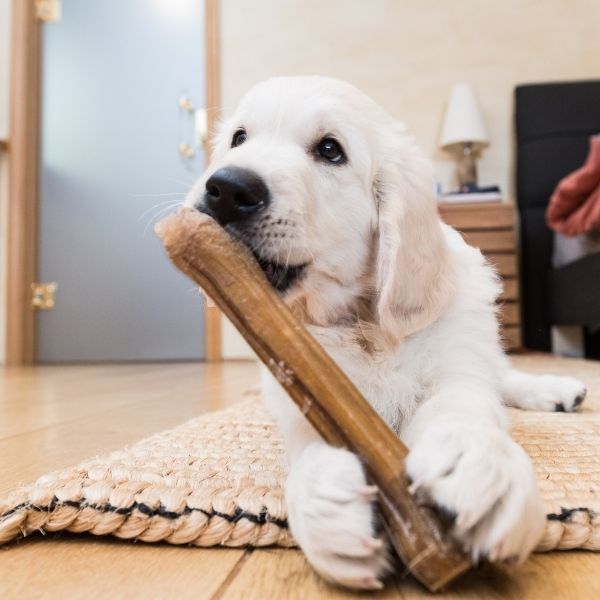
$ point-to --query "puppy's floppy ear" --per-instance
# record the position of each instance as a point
(415, 275)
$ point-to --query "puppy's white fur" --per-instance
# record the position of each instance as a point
(405, 307)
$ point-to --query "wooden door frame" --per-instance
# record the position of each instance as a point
(23, 162)
(212, 315)
(23, 176)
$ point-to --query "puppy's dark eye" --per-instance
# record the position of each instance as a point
(330, 150)
(239, 137)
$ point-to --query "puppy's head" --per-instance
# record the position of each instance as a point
(334, 200)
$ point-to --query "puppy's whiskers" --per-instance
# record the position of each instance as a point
(160, 204)
(158, 195)
(186, 184)
(304, 243)
(159, 215)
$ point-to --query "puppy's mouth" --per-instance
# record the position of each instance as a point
(281, 277)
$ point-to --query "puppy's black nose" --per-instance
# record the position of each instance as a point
(235, 194)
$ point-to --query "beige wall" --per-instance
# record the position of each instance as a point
(4, 98)
(407, 54)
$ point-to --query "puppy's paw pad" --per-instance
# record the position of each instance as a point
(579, 399)
(569, 393)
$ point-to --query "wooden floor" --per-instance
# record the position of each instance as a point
(51, 417)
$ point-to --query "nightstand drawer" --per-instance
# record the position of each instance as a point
(478, 216)
(491, 228)
(491, 240)
(509, 313)
(505, 264)
(510, 289)
(511, 337)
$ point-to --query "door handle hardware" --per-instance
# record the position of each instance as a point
(186, 104)
(186, 150)
(43, 295)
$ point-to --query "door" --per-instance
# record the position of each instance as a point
(113, 77)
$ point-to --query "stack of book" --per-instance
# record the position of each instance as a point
(470, 194)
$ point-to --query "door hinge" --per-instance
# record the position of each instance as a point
(43, 295)
(48, 11)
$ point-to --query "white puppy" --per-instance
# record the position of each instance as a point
(337, 203)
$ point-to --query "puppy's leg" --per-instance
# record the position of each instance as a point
(330, 504)
(542, 392)
(462, 458)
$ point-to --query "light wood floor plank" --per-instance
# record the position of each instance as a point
(61, 422)
(73, 567)
(272, 573)
(554, 576)
(34, 398)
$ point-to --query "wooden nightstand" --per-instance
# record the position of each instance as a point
(491, 228)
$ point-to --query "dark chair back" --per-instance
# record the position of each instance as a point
(554, 122)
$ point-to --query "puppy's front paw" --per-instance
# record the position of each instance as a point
(559, 393)
(330, 509)
(479, 475)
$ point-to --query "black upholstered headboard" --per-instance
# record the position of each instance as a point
(554, 122)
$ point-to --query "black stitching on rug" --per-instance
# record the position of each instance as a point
(260, 519)
(14, 509)
(567, 513)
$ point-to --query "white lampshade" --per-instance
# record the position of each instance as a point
(464, 121)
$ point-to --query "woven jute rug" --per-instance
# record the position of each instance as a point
(217, 480)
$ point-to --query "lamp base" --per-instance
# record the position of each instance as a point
(466, 169)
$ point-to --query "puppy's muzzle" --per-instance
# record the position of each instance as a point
(234, 195)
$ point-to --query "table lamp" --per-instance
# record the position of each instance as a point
(464, 132)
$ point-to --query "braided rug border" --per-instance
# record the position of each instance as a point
(571, 528)
(226, 523)
(15, 523)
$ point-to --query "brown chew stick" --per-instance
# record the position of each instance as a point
(229, 274)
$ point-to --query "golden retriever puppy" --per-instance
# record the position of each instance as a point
(337, 204)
